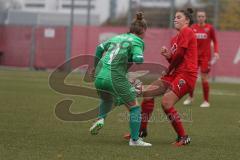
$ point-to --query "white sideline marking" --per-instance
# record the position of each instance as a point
(221, 93)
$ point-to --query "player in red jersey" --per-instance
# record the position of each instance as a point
(205, 34)
(179, 79)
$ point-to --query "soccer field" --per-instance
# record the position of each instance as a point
(30, 130)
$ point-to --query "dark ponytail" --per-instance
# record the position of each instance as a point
(189, 14)
(139, 24)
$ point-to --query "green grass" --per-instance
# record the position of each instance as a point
(29, 129)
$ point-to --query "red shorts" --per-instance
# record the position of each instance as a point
(204, 65)
(180, 84)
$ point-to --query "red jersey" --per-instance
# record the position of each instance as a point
(205, 34)
(187, 40)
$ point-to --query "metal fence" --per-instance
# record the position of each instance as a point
(159, 17)
(159, 13)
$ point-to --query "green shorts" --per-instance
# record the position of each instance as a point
(122, 92)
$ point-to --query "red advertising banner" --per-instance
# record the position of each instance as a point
(16, 46)
(48, 46)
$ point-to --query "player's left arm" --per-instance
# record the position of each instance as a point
(215, 42)
(137, 54)
(137, 57)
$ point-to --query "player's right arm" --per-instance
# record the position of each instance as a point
(214, 39)
(137, 54)
(165, 52)
(100, 49)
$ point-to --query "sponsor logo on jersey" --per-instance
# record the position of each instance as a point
(181, 83)
(174, 48)
(201, 35)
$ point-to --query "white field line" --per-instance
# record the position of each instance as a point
(216, 92)
(221, 93)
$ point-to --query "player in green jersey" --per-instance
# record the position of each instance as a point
(111, 79)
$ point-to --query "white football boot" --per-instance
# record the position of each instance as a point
(139, 143)
(97, 126)
(205, 104)
(188, 101)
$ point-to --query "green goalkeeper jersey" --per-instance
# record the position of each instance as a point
(120, 51)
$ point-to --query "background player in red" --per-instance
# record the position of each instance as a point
(179, 78)
(205, 34)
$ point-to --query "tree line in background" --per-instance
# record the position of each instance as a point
(228, 15)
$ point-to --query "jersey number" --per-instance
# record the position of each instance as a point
(113, 54)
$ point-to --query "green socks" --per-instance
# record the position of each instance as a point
(135, 117)
(135, 122)
(104, 108)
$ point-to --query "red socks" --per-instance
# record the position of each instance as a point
(147, 109)
(176, 121)
(191, 93)
(205, 86)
